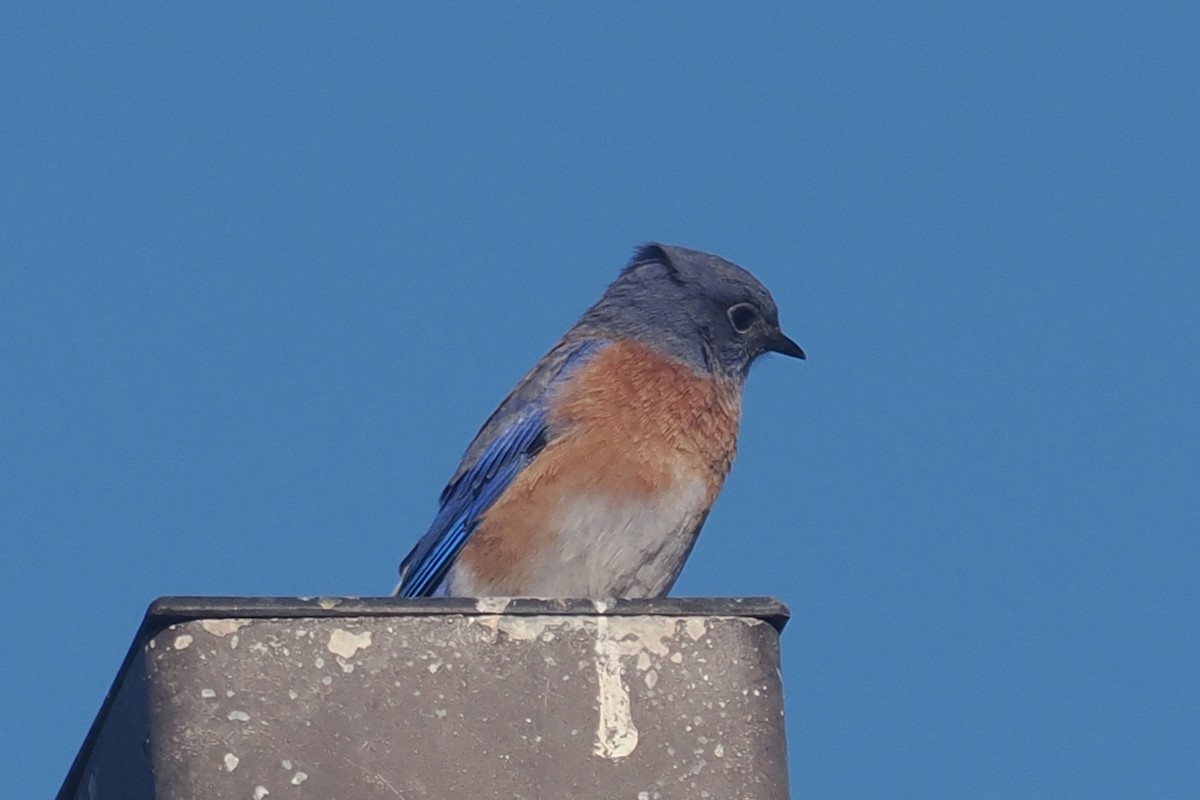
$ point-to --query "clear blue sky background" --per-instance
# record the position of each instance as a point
(264, 269)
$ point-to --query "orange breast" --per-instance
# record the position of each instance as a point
(630, 424)
(639, 417)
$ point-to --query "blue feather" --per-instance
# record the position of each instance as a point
(477, 486)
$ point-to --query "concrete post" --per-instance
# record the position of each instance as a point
(349, 698)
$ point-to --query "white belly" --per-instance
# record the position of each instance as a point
(607, 548)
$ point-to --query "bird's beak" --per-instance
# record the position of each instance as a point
(779, 343)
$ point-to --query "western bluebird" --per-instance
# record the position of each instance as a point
(594, 475)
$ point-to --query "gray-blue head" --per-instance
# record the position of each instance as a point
(698, 308)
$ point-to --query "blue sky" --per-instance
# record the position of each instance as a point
(264, 269)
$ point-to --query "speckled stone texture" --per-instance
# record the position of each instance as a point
(531, 699)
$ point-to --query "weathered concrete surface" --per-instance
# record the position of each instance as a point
(447, 699)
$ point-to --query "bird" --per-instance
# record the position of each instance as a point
(593, 477)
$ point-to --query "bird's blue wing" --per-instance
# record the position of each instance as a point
(508, 441)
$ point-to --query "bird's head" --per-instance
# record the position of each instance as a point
(695, 307)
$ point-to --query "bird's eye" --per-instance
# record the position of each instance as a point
(742, 316)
